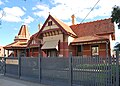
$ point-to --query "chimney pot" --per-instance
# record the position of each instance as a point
(73, 19)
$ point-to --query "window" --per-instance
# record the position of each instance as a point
(52, 53)
(33, 42)
(79, 50)
(49, 23)
(95, 50)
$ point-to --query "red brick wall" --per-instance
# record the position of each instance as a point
(33, 52)
(73, 49)
(64, 50)
(87, 50)
(102, 50)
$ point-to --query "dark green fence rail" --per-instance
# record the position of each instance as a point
(2, 65)
(61, 71)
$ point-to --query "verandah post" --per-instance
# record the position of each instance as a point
(70, 69)
(19, 66)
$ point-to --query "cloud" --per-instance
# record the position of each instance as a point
(13, 14)
(41, 10)
(28, 20)
(63, 9)
(1, 2)
(15, 28)
(6, 1)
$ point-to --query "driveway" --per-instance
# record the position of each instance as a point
(7, 81)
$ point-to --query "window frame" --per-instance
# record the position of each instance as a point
(96, 52)
(50, 23)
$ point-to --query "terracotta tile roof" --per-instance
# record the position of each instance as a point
(94, 28)
(34, 37)
(64, 26)
(16, 44)
(90, 39)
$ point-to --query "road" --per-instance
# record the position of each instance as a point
(7, 81)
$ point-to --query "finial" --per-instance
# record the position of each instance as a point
(49, 13)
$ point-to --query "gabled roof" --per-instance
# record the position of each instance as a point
(34, 37)
(65, 28)
(100, 27)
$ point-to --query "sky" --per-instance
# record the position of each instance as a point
(32, 12)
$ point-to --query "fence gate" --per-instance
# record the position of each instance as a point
(1, 65)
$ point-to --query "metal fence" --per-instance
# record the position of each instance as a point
(61, 71)
(1, 65)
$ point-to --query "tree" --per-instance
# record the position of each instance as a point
(117, 46)
(116, 15)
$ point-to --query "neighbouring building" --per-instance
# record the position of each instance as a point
(1, 51)
(55, 38)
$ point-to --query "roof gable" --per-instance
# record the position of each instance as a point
(34, 41)
(57, 24)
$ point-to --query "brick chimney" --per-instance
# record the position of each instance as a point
(38, 26)
(73, 19)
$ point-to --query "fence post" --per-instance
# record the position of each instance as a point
(39, 65)
(4, 62)
(70, 69)
(19, 66)
(117, 68)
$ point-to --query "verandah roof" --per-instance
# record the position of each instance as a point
(50, 45)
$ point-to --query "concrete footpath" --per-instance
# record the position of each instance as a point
(7, 81)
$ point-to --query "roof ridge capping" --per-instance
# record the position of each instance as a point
(94, 21)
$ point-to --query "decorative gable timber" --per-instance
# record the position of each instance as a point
(56, 24)
(50, 25)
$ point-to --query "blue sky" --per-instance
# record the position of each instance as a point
(33, 12)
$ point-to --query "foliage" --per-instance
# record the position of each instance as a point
(116, 14)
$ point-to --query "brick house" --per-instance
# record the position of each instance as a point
(55, 38)
(86, 39)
